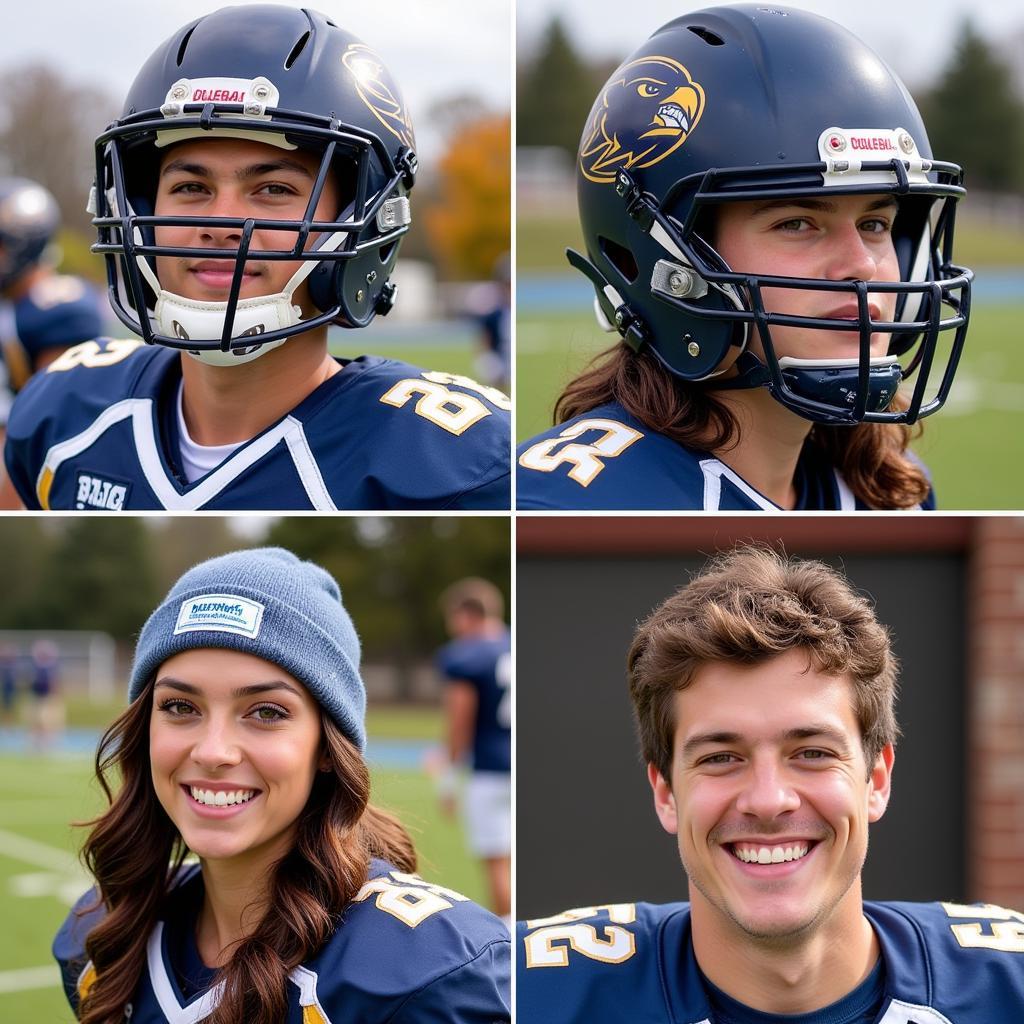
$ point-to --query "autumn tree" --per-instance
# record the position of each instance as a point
(469, 222)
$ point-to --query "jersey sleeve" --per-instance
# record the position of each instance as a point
(69, 946)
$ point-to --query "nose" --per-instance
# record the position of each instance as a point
(216, 745)
(850, 256)
(766, 792)
(224, 204)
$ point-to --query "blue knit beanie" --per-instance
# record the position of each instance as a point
(266, 602)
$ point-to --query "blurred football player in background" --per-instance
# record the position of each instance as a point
(764, 694)
(477, 670)
(255, 192)
(42, 313)
(767, 232)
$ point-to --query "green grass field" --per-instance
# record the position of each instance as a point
(974, 446)
(39, 873)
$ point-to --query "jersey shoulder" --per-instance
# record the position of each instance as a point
(606, 459)
(58, 311)
(469, 657)
(80, 383)
(406, 948)
(965, 961)
(424, 438)
(603, 964)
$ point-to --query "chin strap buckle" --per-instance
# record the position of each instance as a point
(386, 299)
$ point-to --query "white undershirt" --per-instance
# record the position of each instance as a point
(199, 459)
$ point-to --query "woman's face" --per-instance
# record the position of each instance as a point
(235, 744)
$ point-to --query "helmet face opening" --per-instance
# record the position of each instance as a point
(768, 107)
(301, 83)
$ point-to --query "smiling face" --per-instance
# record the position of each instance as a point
(841, 238)
(235, 744)
(235, 178)
(770, 798)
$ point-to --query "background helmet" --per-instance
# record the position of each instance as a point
(289, 78)
(747, 102)
(29, 218)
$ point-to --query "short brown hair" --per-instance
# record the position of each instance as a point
(476, 595)
(747, 606)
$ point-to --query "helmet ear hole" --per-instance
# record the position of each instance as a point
(620, 258)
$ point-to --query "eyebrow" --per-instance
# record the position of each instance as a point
(199, 170)
(801, 732)
(241, 691)
(821, 205)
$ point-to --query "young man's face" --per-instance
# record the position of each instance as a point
(768, 764)
(836, 238)
(234, 178)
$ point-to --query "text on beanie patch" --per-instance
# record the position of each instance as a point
(223, 613)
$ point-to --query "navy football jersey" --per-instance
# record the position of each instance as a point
(944, 963)
(486, 663)
(607, 460)
(56, 312)
(404, 951)
(98, 429)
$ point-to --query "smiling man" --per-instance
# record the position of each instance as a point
(254, 193)
(764, 695)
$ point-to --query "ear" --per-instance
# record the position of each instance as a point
(880, 782)
(664, 800)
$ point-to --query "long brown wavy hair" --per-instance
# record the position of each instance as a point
(134, 843)
(872, 457)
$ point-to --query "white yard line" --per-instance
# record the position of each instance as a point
(38, 854)
(29, 977)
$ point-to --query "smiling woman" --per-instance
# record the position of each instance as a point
(243, 747)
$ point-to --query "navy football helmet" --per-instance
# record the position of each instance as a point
(29, 218)
(289, 78)
(760, 103)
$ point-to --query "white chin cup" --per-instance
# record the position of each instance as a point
(180, 317)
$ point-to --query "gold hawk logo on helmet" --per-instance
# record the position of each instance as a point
(617, 135)
(377, 90)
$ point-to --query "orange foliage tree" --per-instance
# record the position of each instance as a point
(470, 222)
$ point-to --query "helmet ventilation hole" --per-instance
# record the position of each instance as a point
(620, 258)
(707, 35)
(296, 50)
(184, 43)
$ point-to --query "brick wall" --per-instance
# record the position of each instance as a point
(995, 727)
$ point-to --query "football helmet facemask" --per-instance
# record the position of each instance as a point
(29, 218)
(288, 78)
(756, 103)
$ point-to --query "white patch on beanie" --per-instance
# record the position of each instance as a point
(222, 613)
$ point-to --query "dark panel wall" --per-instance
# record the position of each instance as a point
(586, 829)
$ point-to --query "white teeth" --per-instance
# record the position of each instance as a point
(221, 798)
(770, 855)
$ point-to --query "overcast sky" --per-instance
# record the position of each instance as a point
(434, 48)
(914, 36)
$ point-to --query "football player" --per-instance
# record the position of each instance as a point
(769, 235)
(243, 745)
(254, 192)
(477, 669)
(764, 696)
(42, 313)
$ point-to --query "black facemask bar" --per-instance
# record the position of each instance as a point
(335, 138)
(951, 284)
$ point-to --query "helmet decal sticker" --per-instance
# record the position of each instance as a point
(643, 114)
(378, 91)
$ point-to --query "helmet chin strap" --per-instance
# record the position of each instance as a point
(191, 319)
